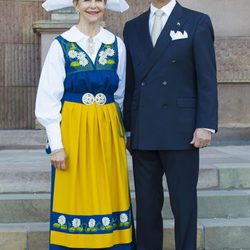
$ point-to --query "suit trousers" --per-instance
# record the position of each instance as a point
(181, 168)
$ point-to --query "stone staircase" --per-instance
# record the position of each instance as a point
(223, 195)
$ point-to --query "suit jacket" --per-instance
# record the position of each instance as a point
(171, 89)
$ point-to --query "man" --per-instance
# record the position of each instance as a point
(170, 111)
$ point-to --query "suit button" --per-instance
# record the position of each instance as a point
(173, 61)
(165, 83)
(143, 84)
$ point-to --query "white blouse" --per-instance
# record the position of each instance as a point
(51, 84)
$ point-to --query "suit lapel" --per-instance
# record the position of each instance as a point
(144, 34)
(174, 23)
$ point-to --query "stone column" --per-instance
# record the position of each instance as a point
(61, 20)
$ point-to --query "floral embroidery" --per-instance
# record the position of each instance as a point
(61, 223)
(73, 54)
(83, 62)
(81, 55)
(76, 223)
(103, 54)
(61, 220)
(108, 52)
(123, 218)
(79, 58)
(90, 225)
(105, 221)
(103, 61)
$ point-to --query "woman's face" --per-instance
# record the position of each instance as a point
(91, 10)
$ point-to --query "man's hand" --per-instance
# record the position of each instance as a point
(57, 159)
(201, 138)
(128, 145)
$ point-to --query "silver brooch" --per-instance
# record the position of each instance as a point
(90, 45)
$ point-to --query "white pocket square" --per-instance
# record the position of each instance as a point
(178, 35)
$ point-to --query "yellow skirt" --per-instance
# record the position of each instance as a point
(90, 200)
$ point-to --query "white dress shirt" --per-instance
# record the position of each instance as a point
(167, 9)
(51, 84)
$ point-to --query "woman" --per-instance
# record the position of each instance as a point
(79, 98)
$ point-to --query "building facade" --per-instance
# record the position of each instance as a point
(25, 37)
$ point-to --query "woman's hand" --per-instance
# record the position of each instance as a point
(58, 158)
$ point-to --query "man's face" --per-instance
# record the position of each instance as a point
(160, 2)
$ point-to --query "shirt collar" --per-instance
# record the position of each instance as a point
(75, 35)
(167, 9)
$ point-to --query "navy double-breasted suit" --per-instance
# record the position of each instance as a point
(171, 90)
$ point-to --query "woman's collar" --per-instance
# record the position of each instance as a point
(75, 35)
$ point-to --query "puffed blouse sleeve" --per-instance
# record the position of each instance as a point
(49, 95)
(121, 71)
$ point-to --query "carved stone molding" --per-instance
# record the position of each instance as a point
(233, 59)
(52, 27)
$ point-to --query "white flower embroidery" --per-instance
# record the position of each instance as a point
(76, 222)
(81, 55)
(110, 52)
(123, 218)
(91, 223)
(103, 54)
(73, 54)
(61, 220)
(84, 62)
(103, 61)
(105, 221)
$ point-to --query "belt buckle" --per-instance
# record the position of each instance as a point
(88, 99)
(100, 99)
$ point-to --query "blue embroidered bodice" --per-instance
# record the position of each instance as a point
(85, 76)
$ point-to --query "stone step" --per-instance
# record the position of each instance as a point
(221, 176)
(213, 234)
(22, 139)
(29, 171)
(220, 168)
(16, 208)
(226, 234)
(31, 138)
(36, 178)
(217, 204)
(24, 171)
(24, 236)
(35, 236)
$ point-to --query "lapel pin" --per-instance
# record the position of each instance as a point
(178, 23)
